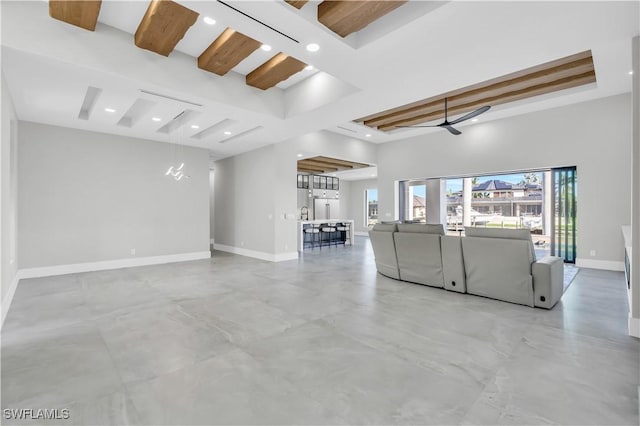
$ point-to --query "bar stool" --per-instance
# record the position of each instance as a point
(326, 234)
(312, 235)
(345, 232)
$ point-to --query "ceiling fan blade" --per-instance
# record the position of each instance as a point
(414, 127)
(452, 130)
(471, 114)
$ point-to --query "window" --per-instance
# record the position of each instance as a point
(371, 207)
(542, 201)
(414, 201)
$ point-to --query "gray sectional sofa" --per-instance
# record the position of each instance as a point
(495, 263)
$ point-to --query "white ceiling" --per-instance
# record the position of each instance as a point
(49, 65)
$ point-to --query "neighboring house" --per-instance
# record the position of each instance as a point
(418, 207)
(498, 197)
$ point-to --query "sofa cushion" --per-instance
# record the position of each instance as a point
(419, 258)
(499, 268)
(422, 228)
(384, 251)
(510, 234)
(385, 227)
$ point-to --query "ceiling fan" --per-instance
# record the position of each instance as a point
(446, 124)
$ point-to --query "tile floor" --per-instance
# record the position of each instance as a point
(321, 340)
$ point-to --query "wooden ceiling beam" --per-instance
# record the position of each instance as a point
(563, 73)
(164, 24)
(83, 13)
(297, 3)
(336, 161)
(275, 70)
(493, 91)
(548, 68)
(227, 51)
(344, 17)
(311, 169)
(561, 84)
(319, 168)
(326, 164)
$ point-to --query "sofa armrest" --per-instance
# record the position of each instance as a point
(548, 281)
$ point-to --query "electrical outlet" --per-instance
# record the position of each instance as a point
(133, 252)
(592, 253)
(241, 243)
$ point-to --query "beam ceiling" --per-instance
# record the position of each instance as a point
(348, 16)
(275, 70)
(564, 73)
(164, 24)
(326, 164)
(297, 3)
(227, 51)
(83, 14)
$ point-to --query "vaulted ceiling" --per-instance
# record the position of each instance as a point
(158, 70)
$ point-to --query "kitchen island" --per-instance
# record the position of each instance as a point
(350, 239)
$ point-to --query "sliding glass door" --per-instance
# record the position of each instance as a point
(563, 219)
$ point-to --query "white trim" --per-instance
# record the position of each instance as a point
(47, 271)
(634, 326)
(8, 298)
(257, 254)
(609, 265)
(361, 234)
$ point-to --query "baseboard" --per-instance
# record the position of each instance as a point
(361, 234)
(74, 268)
(609, 265)
(257, 254)
(634, 327)
(8, 298)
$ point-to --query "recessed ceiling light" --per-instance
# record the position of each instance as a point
(299, 155)
(266, 48)
(308, 67)
(157, 119)
(631, 72)
(474, 119)
(195, 126)
(368, 135)
(313, 47)
(110, 110)
(227, 133)
(209, 20)
(372, 175)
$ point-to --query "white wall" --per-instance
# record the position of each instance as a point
(634, 321)
(8, 199)
(345, 199)
(90, 197)
(211, 204)
(244, 202)
(595, 136)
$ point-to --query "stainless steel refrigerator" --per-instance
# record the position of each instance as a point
(326, 209)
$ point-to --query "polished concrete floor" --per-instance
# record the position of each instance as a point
(321, 340)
